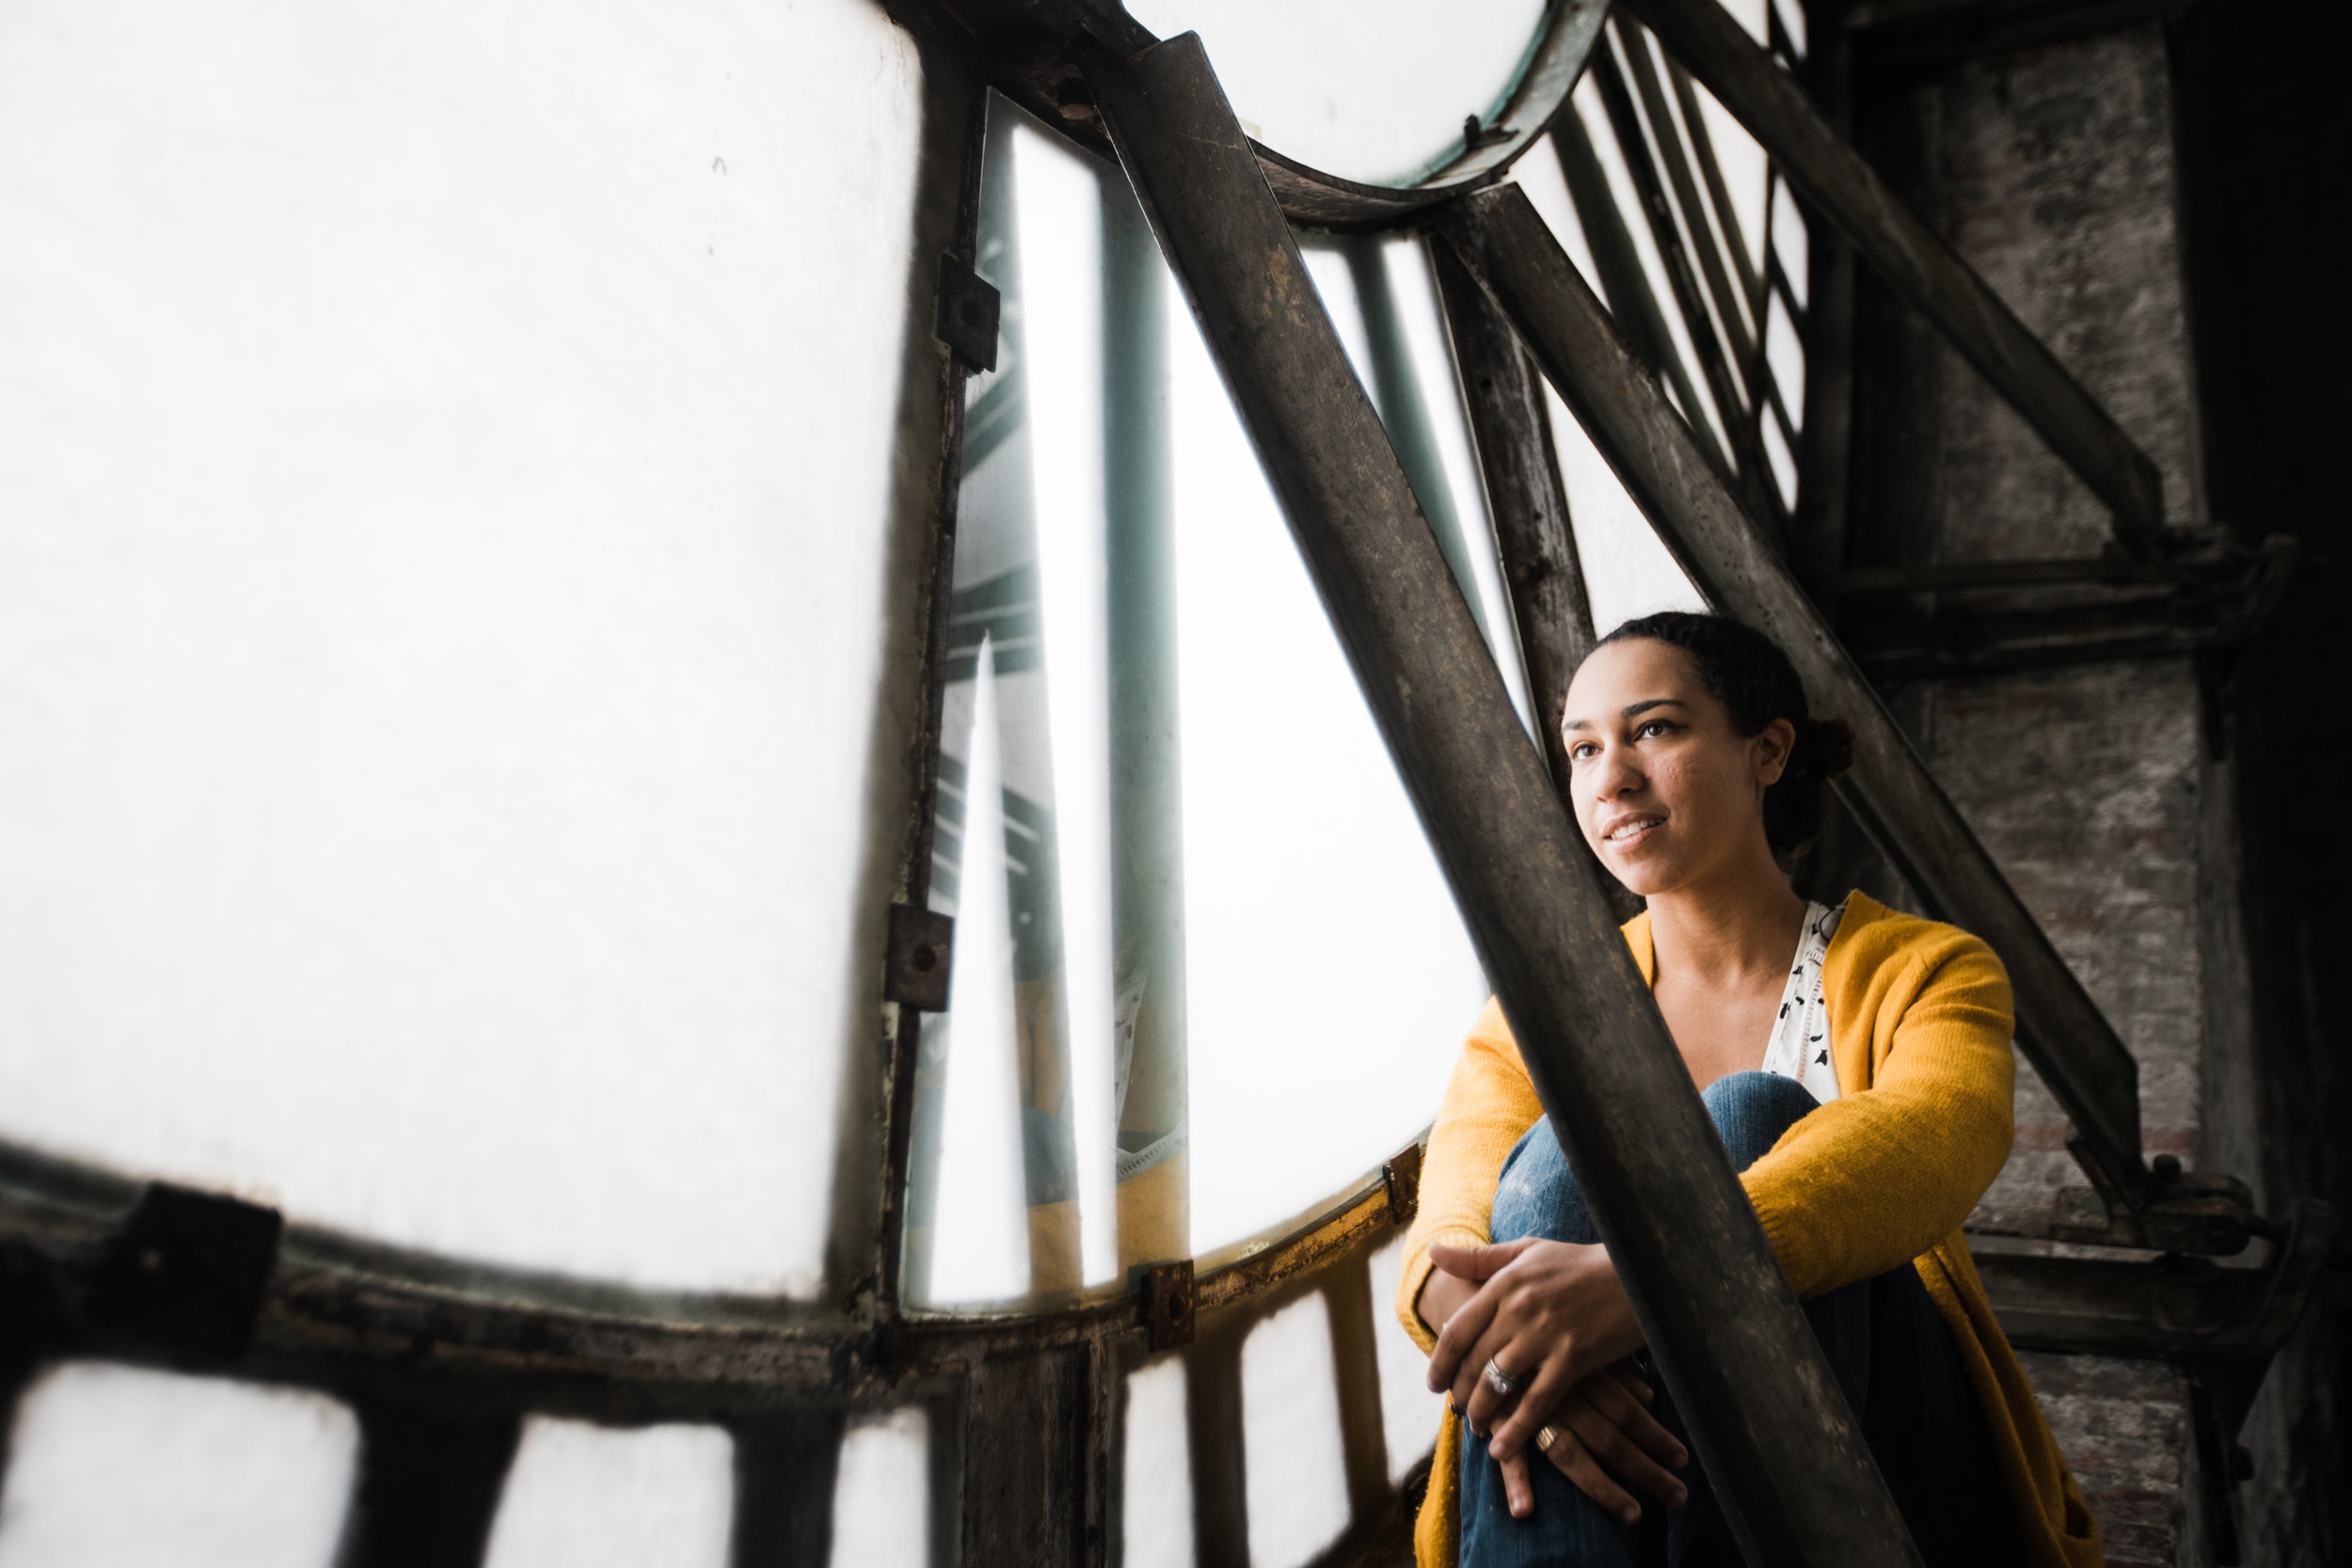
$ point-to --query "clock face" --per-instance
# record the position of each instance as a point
(1370, 90)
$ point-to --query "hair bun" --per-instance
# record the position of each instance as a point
(1823, 749)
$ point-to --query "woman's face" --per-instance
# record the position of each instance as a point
(1666, 791)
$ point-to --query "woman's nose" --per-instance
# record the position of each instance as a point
(1616, 773)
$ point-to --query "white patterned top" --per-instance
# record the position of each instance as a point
(1800, 1044)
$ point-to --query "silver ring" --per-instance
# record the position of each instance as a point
(1546, 1435)
(1501, 1382)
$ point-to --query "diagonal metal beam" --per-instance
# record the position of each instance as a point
(1508, 246)
(1919, 264)
(1799, 1482)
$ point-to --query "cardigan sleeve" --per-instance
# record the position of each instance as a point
(1876, 1178)
(1490, 1104)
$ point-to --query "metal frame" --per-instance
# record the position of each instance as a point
(440, 1359)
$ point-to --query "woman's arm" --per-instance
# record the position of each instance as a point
(1872, 1180)
(1489, 1106)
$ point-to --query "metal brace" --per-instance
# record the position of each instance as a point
(922, 948)
(1167, 1292)
(188, 1271)
(2197, 1212)
(969, 306)
(1402, 1176)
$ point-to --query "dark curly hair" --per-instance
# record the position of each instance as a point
(1746, 672)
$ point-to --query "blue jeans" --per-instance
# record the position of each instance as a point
(1887, 1345)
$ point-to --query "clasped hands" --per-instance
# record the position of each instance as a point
(1554, 1317)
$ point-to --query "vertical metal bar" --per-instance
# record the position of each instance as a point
(785, 1469)
(959, 104)
(1028, 1422)
(428, 1488)
(1506, 246)
(1797, 1480)
(1146, 775)
(1918, 262)
(1346, 1290)
(1103, 1500)
(1747, 452)
(1212, 1436)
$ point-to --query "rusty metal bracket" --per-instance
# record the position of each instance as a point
(969, 308)
(1402, 1176)
(2197, 1212)
(188, 1271)
(1167, 1297)
(922, 949)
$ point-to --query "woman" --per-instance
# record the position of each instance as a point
(1857, 1063)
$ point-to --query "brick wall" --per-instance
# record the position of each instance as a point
(2052, 170)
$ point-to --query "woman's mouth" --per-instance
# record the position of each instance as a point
(1624, 834)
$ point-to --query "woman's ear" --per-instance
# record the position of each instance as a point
(1771, 748)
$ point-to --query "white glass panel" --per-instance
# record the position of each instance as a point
(1595, 115)
(1158, 1495)
(881, 1495)
(1786, 356)
(1746, 171)
(1792, 242)
(1019, 1195)
(1302, 858)
(1538, 173)
(1408, 1411)
(589, 1496)
(1373, 89)
(1627, 571)
(1425, 420)
(1060, 215)
(980, 1243)
(1791, 13)
(1286, 791)
(1290, 1417)
(115, 1465)
(441, 553)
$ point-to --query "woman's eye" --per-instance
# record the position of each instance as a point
(1654, 727)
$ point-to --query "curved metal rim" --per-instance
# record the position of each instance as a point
(1563, 42)
(340, 1310)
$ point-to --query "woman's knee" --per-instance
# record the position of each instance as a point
(1537, 1194)
(1752, 1109)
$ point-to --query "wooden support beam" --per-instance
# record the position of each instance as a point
(1507, 245)
(1915, 260)
(1798, 1483)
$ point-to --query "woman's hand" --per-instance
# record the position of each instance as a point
(1551, 1312)
(1443, 1294)
(1604, 1422)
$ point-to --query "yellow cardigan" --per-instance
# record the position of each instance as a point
(1920, 1019)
